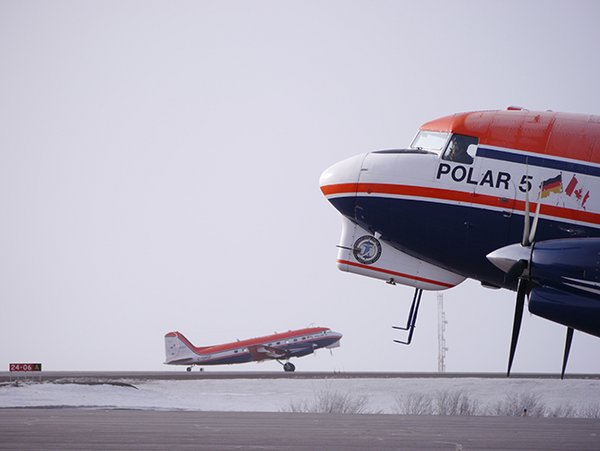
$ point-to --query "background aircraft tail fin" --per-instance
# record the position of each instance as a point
(178, 349)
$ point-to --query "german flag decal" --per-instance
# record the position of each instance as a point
(553, 185)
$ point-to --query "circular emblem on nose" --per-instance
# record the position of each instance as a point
(367, 249)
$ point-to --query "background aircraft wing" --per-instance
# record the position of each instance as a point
(262, 352)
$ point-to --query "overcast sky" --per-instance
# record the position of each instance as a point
(159, 167)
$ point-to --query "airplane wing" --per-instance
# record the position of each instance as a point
(262, 352)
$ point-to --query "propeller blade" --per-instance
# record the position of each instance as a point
(521, 291)
(526, 227)
(567, 350)
(535, 222)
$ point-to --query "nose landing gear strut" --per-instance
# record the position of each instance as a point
(412, 317)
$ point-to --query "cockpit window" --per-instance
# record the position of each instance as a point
(457, 149)
(432, 141)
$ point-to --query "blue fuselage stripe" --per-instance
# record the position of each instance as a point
(541, 162)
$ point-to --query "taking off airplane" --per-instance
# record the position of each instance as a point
(510, 198)
(283, 346)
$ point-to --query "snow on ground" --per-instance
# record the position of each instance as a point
(273, 395)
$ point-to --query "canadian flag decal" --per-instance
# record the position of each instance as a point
(577, 190)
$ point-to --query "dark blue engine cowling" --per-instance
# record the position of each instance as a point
(566, 273)
(578, 312)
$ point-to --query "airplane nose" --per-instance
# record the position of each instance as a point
(343, 175)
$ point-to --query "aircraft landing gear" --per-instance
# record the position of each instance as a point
(288, 367)
(412, 317)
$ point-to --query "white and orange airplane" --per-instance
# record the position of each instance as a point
(278, 346)
(510, 198)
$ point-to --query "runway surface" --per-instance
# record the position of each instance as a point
(181, 374)
(69, 429)
(214, 416)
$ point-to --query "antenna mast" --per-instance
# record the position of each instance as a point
(441, 334)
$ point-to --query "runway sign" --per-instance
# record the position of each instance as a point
(20, 367)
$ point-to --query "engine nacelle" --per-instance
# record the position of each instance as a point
(571, 264)
(362, 253)
(580, 312)
(566, 274)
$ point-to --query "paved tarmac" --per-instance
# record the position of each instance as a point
(79, 429)
(181, 374)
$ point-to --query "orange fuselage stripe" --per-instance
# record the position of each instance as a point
(458, 196)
